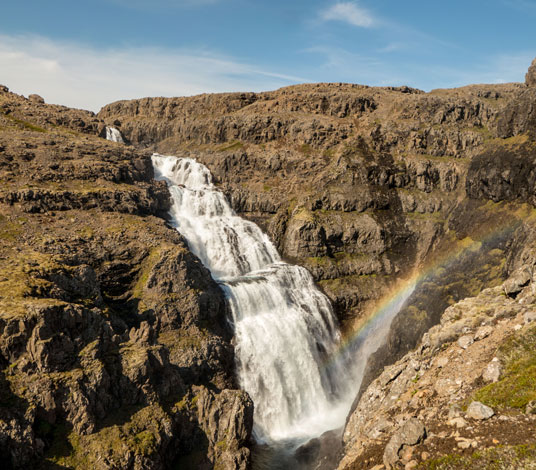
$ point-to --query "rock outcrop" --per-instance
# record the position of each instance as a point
(530, 78)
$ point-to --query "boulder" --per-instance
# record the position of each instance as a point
(529, 317)
(465, 341)
(483, 332)
(36, 98)
(515, 283)
(530, 409)
(530, 77)
(409, 434)
(458, 422)
(477, 410)
(492, 372)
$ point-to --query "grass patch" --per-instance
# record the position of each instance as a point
(139, 435)
(306, 149)
(145, 271)
(25, 124)
(496, 458)
(517, 386)
(9, 230)
(232, 146)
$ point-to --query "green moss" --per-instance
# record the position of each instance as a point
(496, 458)
(143, 443)
(302, 214)
(145, 271)
(10, 230)
(328, 153)
(194, 401)
(306, 149)
(517, 386)
(24, 124)
(366, 283)
(233, 146)
(222, 445)
(139, 435)
(194, 338)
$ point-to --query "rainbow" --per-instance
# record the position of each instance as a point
(389, 306)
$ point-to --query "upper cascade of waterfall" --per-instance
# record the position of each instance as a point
(228, 245)
(114, 135)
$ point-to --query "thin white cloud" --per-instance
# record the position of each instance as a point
(348, 12)
(392, 47)
(85, 77)
(343, 65)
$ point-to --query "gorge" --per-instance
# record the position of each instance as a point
(194, 311)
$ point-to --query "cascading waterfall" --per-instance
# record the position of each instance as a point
(289, 357)
(114, 135)
(284, 326)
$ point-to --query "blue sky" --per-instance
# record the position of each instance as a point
(86, 54)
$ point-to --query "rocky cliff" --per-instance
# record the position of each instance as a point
(114, 346)
(464, 398)
(368, 187)
(358, 184)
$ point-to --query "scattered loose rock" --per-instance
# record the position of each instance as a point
(483, 332)
(458, 422)
(529, 317)
(465, 341)
(517, 281)
(492, 372)
(477, 410)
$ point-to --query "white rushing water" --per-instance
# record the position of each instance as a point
(284, 326)
(114, 135)
(287, 340)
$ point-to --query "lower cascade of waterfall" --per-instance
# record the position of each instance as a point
(287, 337)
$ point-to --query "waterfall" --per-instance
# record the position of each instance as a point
(284, 326)
(114, 135)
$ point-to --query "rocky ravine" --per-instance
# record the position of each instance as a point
(365, 186)
(464, 398)
(114, 347)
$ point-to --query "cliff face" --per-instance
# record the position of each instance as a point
(366, 186)
(358, 184)
(114, 349)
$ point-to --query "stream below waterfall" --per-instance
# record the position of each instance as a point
(288, 354)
